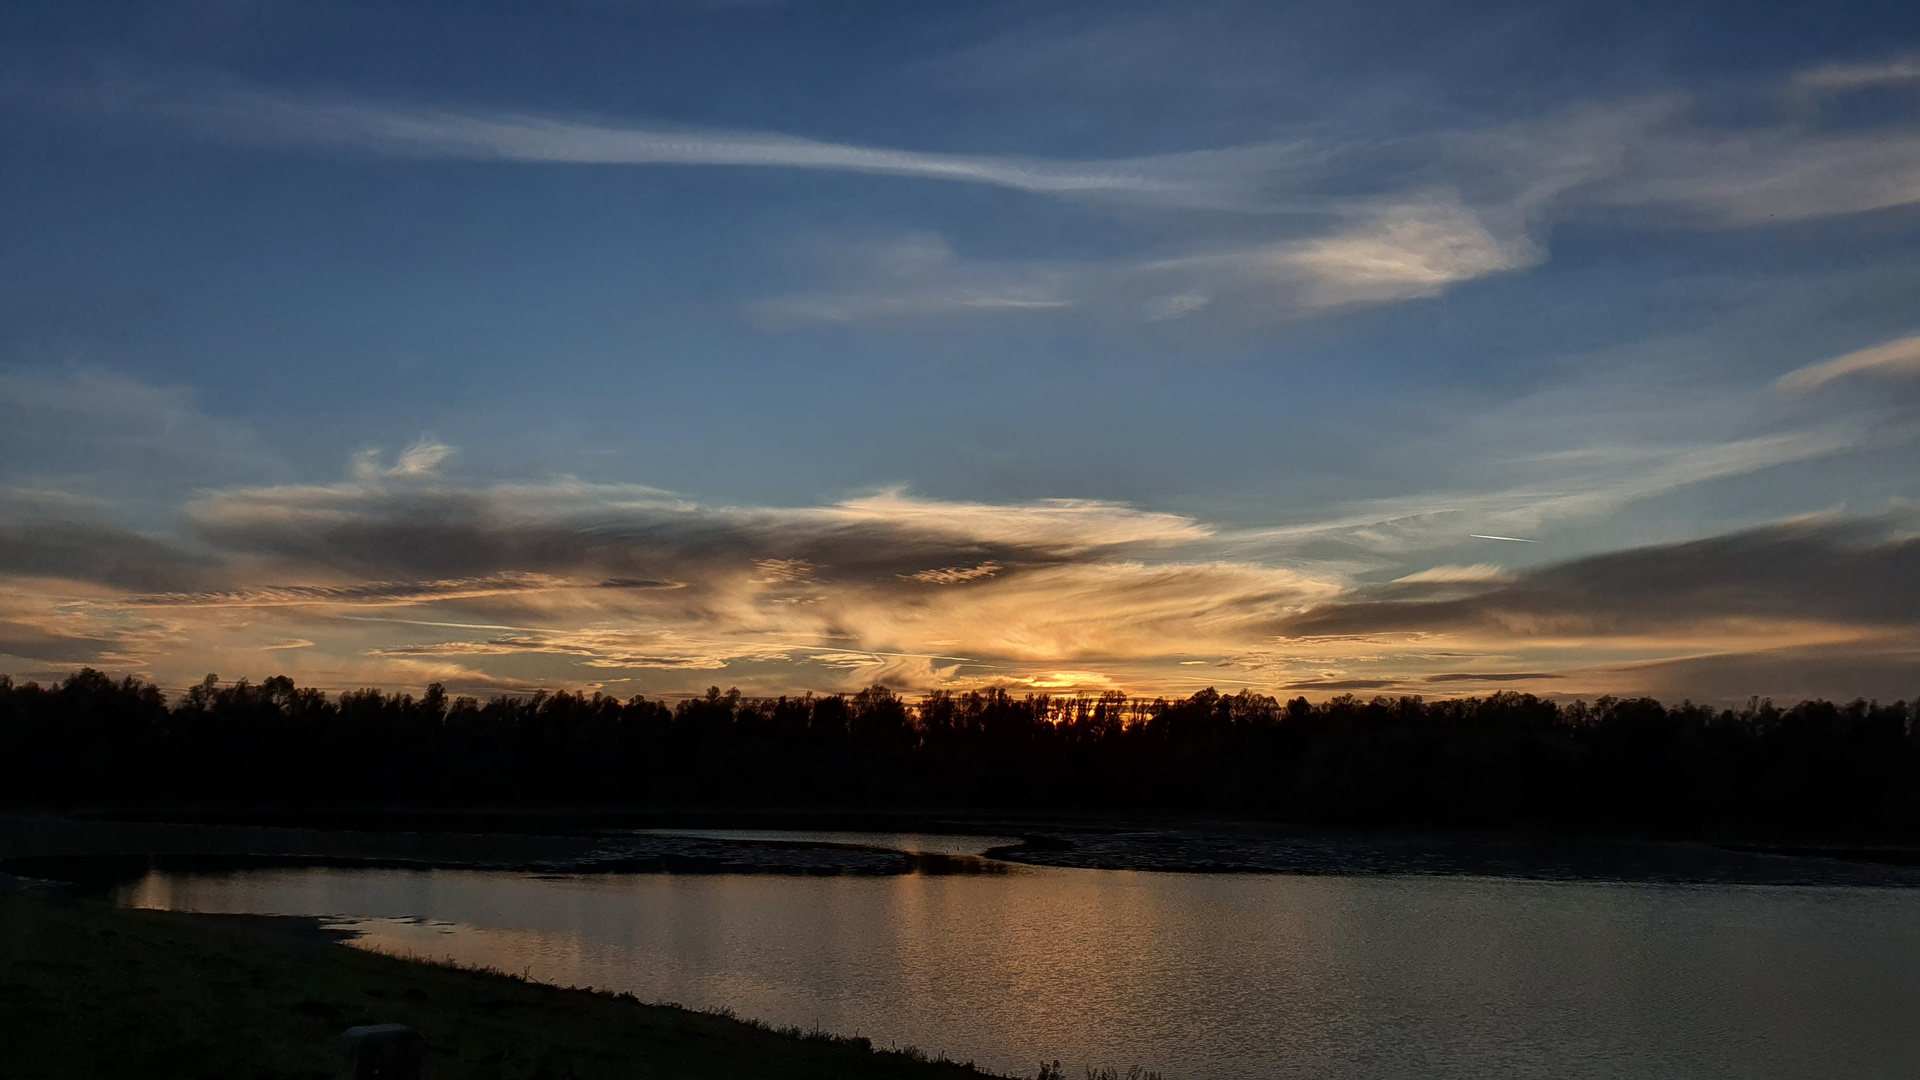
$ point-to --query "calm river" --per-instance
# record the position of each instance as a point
(1196, 975)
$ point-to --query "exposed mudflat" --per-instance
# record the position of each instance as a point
(102, 854)
(107, 852)
(1228, 850)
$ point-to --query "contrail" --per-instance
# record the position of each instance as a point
(1515, 539)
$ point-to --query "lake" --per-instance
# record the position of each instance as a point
(1198, 976)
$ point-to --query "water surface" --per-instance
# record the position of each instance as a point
(1195, 975)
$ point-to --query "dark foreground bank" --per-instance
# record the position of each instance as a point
(88, 990)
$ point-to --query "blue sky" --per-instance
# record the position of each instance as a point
(1065, 346)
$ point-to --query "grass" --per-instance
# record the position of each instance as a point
(88, 990)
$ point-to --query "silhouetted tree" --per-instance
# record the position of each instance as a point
(1507, 759)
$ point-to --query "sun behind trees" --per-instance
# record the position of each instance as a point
(1504, 760)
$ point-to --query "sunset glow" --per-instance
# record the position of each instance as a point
(1308, 377)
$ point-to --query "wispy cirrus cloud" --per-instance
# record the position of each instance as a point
(1474, 574)
(1740, 179)
(1401, 250)
(1314, 219)
(1218, 179)
(920, 275)
(422, 459)
(1371, 253)
(87, 436)
(1365, 227)
(1552, 491)
(1899, 357)
(1841, 78)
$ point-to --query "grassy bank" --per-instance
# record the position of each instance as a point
(87, 990)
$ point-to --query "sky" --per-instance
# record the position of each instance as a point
(640, 347)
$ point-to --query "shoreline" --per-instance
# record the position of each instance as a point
(100, 852)
(92, 989)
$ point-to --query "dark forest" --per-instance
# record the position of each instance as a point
(1508, 760)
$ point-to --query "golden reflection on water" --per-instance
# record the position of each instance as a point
(1195, 975)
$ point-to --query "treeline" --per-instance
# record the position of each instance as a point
(1508, 759)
